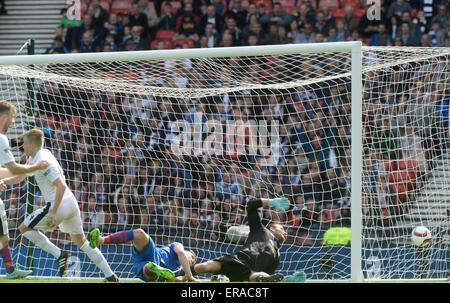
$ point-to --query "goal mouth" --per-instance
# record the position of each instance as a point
(353, 146)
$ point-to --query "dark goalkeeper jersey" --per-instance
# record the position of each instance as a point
(260, 253)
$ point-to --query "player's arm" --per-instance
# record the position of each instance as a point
(182, 257)
(253, 205)
(13, 179)
(5, 173)
(60, 188)
(22, 169)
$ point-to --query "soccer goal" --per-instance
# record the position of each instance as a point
(176, 142)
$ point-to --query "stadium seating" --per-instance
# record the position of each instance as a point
(331, 4)
(167, 44)
(338, 13)
(121, 6)
(183, 42)
(165, 34)
(354, 3)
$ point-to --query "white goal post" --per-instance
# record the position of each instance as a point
(346, 69)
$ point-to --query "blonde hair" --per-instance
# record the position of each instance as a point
(7, 108)
(35, 136)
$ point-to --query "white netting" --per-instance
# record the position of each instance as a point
(260, 126)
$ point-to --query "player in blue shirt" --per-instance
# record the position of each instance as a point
(151, 263)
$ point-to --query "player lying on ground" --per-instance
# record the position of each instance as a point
(61, 208)
(258, 258)
(151, 263)
(7, 113)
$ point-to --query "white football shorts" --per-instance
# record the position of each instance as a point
(68, 217)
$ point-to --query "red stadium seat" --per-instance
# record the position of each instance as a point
(354, 3)
(402, 176)
(165, 34)
(109, 75)
(106, 4)
(131, 77)
(338, 13)
(121, 6)
(183, 42)
(287, 5)
(359, 12)
(74, 123)
(409, 165)
(331, 4)
(389, 165)
(267, 4)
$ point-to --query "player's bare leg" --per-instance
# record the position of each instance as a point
(96, 256)
(208, 267)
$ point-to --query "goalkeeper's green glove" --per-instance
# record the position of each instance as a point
(280, 203)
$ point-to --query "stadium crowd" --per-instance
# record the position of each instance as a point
(115, 148)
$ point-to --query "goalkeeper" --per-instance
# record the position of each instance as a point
(258, 258)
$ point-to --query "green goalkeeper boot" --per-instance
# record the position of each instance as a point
(94, 238)
(161, 271)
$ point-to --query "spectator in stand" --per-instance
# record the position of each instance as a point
(328, 17)
(303, 15)
(151, 13)
(57, 47)
(89, 43)
(332, 35)
(233, 30)
(321, 26)
(342, 32)
(240, 14)
(425, 40)
(277, 15)
(155, 211)
(307, 35)
(409, 37)
(66, 22)
(138, 18)
(397, 8)
(382, 38)
(212, 17)
(437, 34)
(420, 22)
(212, 36)
(167, 20)
(137, 41)
(187, 28)
(385, 140)
(443, 17)
(393, 26)
(351, 22)
(293, 30)
(99, 15)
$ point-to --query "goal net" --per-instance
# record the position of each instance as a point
(178, 144)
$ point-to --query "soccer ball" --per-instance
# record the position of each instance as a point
(421, 236)
(238, 234)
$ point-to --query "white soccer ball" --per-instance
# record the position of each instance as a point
(238, 234)
(421, 236)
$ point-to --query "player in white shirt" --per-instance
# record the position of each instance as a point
(61, 208)
(7, 113)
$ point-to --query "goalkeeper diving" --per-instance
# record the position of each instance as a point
(258, 258)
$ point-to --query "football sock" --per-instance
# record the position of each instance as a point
(41, 241)
(5, 253)
(97, 257)
(119, 237)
